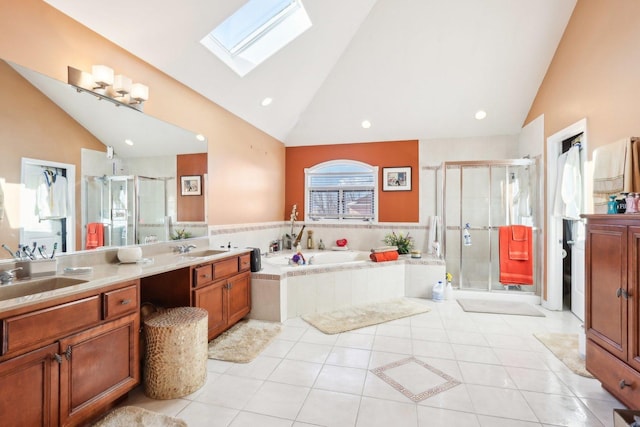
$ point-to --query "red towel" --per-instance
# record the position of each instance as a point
(95, 235)
(384, 256)
(519, 242)
(514, 271)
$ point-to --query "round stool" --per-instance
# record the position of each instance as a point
(175, 361)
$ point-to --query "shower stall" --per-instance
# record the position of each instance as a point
(132, 209)
(486, 195)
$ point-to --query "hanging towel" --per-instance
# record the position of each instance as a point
(95, 235)
(611, 172)
(571, 189)
(519, 243)
(558, 203)
(515, 271)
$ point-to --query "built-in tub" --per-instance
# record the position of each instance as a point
(336, 279)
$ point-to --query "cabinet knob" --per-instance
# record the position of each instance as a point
(125, 301)
(623, 384)
(58, 358)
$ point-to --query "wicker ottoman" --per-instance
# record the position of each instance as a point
(175, 361)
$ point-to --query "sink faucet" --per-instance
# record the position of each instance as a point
(183, 249)
(8, 276)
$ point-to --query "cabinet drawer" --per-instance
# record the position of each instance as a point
(202, 274)
(611, 371)
(245, 262)
(120, 301)
(225, 268)
(51, 323)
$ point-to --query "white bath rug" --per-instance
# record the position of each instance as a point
(133, 416)
(244, 341)
(565, 348)
(360, 316)
(499, 307)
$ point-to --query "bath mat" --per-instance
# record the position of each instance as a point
(499, 307)
(565, 348)
(359, 316)
(244, 341)
(132, 416)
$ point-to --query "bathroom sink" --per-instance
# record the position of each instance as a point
(21, 289)
(203, 254)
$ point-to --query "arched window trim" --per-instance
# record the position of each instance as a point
(364, 189)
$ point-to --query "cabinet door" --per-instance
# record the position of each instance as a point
(213, 299)
(634, 297)
(606, 279)
(29, 389)
(239, 297)
(98, 366)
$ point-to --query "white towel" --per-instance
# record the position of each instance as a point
(558, 203)
(572, 185)
(611, 172)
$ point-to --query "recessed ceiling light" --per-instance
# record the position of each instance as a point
(128, 141)
(481, 114)
(266, 101)
(366, 124)
(200, 137)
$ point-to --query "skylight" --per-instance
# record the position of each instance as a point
(256, 31)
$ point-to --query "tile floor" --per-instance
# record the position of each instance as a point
(449, 368)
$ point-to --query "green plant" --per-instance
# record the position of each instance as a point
(403, 242)
(180, 234)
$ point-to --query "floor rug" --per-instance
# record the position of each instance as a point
(565, 348)
(132, 416)
(499, 307)
(359, 316)
(244, 341)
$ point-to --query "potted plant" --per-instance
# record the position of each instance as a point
(403, 242)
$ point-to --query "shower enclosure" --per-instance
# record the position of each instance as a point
(486, 195)
(132, 209)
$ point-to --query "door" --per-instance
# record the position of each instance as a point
(239, 297)
(213, 299)
(577, 247)
(29, 389)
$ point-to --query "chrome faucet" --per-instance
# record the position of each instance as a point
(8, 276)
(183, 249)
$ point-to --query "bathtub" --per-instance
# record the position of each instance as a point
(316, 258)
(334, 280)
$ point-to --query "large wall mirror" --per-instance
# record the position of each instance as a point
(79, 173)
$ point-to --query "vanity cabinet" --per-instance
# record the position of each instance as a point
(612, 317)
(68, 361)
(221, 286)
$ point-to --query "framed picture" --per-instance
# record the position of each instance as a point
(191, 185)
(396, 179)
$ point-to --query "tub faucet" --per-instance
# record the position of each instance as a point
(183, 249)
(8, 276)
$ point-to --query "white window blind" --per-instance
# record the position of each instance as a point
(342, 191)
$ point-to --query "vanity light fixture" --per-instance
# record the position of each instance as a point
(366, 124)
(480, 114)
(102, 83)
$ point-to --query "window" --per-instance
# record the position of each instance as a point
(341, 190)
(256, 31)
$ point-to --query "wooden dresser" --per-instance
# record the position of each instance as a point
(612, 310)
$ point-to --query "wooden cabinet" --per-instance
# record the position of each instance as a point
(67, 362)
(221, 286)
(612, 317)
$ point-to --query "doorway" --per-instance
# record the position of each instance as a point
(565, 237)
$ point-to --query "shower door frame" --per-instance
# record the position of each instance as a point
(488, 164)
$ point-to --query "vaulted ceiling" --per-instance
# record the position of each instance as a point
(416, 69)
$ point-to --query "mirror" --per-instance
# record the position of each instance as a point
(132, 191)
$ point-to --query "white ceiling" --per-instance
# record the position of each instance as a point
(417, 69)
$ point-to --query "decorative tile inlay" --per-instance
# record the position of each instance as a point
(449, 381)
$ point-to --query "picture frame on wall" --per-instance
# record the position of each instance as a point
(396, 179)
(191, 185)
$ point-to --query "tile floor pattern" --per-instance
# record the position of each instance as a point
(507, 378)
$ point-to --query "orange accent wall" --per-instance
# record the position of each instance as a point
(191, 208)
(594, 74)
(393, 206)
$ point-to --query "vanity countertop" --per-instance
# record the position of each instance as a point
(103, 275)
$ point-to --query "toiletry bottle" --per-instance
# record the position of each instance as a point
(321, 245)
(466, 235)
(612, 206)
(310, 243)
